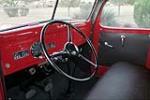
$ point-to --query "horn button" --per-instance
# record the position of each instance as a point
(71, 49)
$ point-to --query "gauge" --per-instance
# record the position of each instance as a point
(36, 49)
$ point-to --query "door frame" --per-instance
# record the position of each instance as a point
(98, 28)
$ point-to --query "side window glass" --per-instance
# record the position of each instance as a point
(126, 13)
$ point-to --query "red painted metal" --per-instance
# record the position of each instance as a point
(97, 28)
(16, 40)
(102, 70)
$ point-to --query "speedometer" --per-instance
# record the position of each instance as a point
(36, 50)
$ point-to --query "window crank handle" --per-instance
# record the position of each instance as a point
(108, 45)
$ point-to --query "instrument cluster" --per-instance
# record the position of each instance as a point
(36, 49)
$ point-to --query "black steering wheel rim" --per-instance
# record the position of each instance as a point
(46, 54)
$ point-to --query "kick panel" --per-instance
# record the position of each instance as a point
(115, 47)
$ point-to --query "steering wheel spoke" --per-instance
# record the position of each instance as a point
(60, 53)
(87, 60)
(69, 34)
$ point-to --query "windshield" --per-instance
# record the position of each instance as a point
(74, 9)
(20, 12)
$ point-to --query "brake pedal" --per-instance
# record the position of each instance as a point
(30, 93)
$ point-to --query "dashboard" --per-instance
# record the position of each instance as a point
(20, 48)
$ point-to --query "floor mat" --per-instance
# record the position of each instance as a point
(81, 89)
(33, 94)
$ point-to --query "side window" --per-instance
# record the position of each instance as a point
(126, 13)
(17, 12)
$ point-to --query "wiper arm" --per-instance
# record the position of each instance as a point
(55, 8)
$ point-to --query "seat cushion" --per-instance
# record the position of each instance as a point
(123, 81)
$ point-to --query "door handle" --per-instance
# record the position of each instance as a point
(123, 37)
(108, 45)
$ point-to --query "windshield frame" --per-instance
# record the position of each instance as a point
(55, 8)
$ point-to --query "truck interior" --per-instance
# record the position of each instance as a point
(75, 50)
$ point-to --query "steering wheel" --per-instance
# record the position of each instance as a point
(70, 49)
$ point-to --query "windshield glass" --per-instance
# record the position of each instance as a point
(74, 9)
(20, 12)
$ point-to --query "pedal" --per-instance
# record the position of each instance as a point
(30, 93)
(48, 87)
